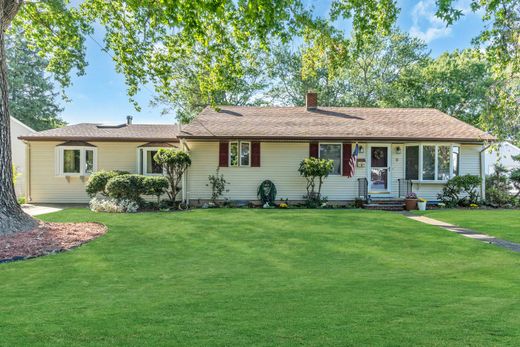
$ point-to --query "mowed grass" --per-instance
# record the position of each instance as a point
(504, 224)
(234, 277)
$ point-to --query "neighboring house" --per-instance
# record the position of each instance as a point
(18, 153)
(398, 147)
(502, 154)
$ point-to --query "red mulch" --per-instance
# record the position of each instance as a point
(48, 238)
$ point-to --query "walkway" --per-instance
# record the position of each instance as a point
(35, 210)
(464, 232)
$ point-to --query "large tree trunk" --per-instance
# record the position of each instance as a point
(12, 217)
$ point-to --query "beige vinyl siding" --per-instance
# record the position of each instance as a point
(279, 163)
(46, 187)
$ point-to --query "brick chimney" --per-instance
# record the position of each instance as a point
(129, 120)
(311, 101)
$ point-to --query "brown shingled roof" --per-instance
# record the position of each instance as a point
(97, 132)
(295, 123)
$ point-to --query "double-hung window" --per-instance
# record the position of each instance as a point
(332, 151)
(76, 160)
(432, 162)
(240, 153)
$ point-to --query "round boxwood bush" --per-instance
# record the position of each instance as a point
(129, 187)
(156, 185)
(98, 181)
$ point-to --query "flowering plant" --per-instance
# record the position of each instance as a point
(473, 206)
(283, 205)
(423, 200)
(411, 195)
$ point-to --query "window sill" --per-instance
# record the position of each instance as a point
(429, 182)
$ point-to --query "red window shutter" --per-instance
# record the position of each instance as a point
(255, 154)
(347, 154)
(223, 154)
(314, 149)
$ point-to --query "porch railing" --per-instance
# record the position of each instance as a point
(405, 187)
(363, 188)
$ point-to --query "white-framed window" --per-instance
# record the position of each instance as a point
(432, 162)
(334, 152)
(240, 153)
(146, 164)
(76, 160)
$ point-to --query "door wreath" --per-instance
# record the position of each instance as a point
(379, 154)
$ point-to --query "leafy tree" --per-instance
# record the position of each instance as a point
(175, 163)
(186, 98)
(32, 94)
(456, 83)
(315, 169)
(367, 79)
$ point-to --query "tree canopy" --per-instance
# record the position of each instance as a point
(32, 93)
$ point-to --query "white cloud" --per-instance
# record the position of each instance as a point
(425, 25)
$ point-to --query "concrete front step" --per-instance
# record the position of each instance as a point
(384, 207)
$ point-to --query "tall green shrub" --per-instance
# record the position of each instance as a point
(156, 186)
(315, 171)
(129, 187)
(498, 187)
(98, 180)
(175, 162)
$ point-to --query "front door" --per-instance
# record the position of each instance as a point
(379, 170)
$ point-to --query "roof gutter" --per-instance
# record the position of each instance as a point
(98, 139)
(333, 138)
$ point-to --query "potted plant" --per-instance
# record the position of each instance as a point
(411, 201)
(422, 204)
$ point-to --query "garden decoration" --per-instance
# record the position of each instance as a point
(267, 192)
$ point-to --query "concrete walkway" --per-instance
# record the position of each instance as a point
(35, 210)
(464, 232)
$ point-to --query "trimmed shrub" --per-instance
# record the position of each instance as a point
(113, 205)
(315, 169)
(175, 162)
(129, 187)
(156, 186)
(98, 181)
(461, 191)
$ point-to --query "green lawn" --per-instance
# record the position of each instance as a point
(499, 223)
(239, 277)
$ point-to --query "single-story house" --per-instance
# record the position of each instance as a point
(399, 150)
(18, 153)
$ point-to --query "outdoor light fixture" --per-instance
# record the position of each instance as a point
(398, 150)
(361, 149)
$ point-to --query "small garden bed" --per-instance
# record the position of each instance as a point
(47, 238)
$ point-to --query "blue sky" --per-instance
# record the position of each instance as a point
(100, 95)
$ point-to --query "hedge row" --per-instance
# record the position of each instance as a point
(122, 185)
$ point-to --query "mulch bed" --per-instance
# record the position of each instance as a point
(47, 238)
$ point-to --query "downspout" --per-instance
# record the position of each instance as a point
(482, 158)
(28, 171)
(185, 177)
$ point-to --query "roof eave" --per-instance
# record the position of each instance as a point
(98, 139)
(337, 138)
